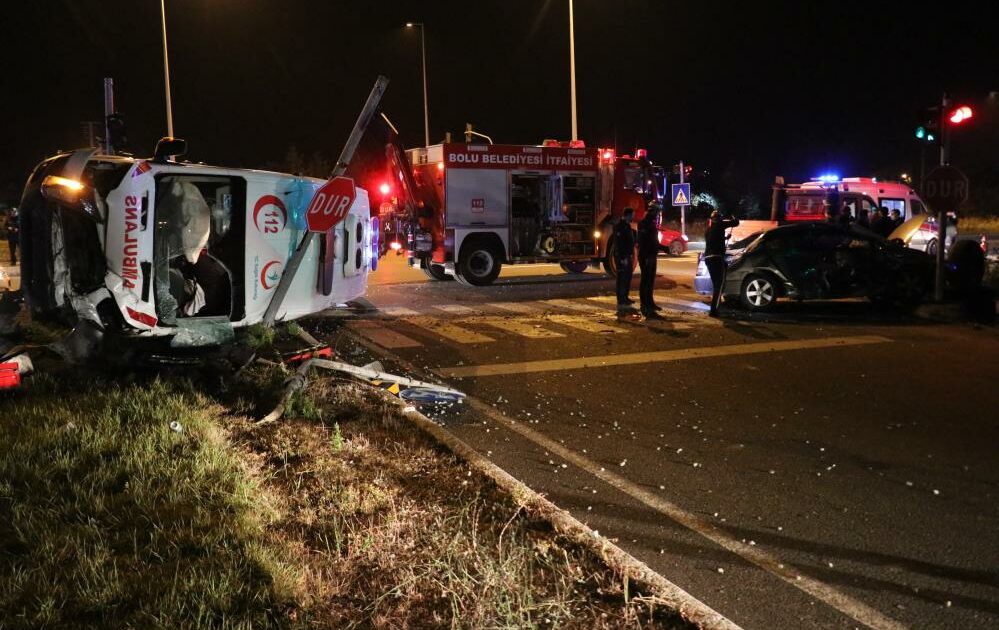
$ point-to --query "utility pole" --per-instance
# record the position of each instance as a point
(108, 110)
(683, 209)
(166, 71)
(938, 289)
(572, 70)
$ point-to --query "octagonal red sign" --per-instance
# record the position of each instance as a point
(331, 204)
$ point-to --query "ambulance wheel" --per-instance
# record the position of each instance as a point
(436, 272)
(931, 247)
(575, 266)
(478, 265)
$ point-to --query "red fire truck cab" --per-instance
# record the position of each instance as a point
(480, 206)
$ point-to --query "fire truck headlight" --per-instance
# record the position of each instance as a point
(395, 245)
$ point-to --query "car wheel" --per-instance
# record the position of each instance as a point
(676, 248)
(575, 266)
(478, 265)
(910, 289)
(931, 247)
(758, 293)
(436, 272)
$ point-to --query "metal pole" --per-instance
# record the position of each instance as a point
(426, 105)
(938, 292)
(108, 110)
(363, 120)
(572, 70)
(683, 208)
(166, 71)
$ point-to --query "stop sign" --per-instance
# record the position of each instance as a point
(330, 204)
(945, 189)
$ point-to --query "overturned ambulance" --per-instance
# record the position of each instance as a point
(180, 252)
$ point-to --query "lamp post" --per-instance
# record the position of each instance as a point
(423, 55)
(166, 70)
(572, 70)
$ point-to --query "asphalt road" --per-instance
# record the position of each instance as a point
(828, 466)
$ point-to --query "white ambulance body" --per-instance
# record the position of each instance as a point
(157, 248)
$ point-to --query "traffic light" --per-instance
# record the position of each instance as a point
(117, 137)
(960, 115)
(929, 129)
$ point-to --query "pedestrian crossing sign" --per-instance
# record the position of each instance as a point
(681, 194)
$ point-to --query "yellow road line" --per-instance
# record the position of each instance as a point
(555, 365)
(448, 330)
(517, 326)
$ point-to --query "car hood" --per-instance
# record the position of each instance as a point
(908, 228)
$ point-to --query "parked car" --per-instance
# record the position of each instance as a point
(823, 261)
(702, 281)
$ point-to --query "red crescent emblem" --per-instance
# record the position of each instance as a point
(269, 277)
(274, 220)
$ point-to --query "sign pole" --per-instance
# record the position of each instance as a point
(944, 190)
(363, 120)
(683, 209)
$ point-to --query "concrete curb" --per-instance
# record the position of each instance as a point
(689, 607)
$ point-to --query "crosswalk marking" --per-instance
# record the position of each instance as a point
(521, 327)
(398, 311)
(696, 306)
(456, 309)
(382, 336)
(448, 330)
(584, 324)
(515, 307)
(579, 306)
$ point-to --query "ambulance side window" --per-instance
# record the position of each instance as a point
(894, 204)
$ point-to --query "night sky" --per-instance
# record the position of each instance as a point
(761, 89)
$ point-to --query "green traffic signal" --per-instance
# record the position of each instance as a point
(920, 132)
(930, 137)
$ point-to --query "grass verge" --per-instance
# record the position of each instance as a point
(341, 516)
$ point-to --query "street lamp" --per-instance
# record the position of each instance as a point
(423, 55)
(166, 70)
(572, 70)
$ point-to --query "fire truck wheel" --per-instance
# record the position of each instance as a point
(575, 266)
(436, 272)
(610, 262)
(479, 264)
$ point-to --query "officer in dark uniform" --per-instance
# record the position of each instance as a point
(624, 257)
(13, 234)
(714, 254)
(648, 253)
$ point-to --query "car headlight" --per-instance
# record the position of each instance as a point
(684, 237)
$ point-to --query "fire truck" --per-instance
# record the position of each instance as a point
(477, 207)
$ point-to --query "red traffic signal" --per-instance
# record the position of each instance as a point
(385, 188)
(960, 115)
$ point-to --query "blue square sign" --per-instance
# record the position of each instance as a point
(681, 194)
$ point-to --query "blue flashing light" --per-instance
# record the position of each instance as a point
(828, 178)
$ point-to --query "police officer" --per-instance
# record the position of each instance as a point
(624, 257)
(13, 234)
(714, 254)
(648, 252)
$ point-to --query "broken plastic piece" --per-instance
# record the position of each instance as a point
(10, 376)
(310, 353)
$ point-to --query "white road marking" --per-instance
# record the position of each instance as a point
(554, 365)
(697, 306)
(517, 326)
(832, 597)
(448, 330)
(457, 309)
(398, 311)
(515, 307)
(597, 326)
(383, 336)
(573, 305)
